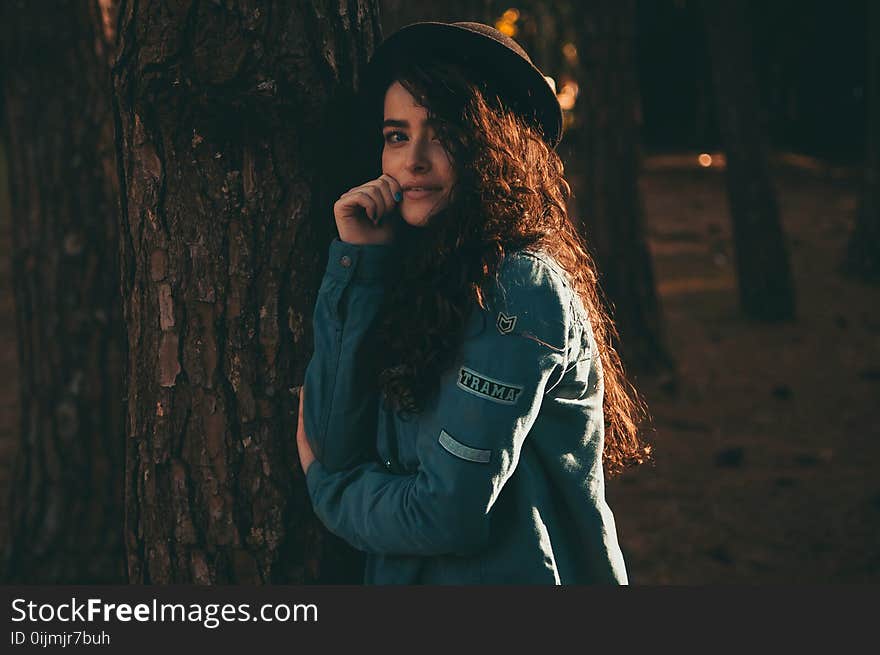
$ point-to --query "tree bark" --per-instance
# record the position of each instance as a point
(863, 251)
(66, 500)
(766, 290)
(232, 145)
(604, 147)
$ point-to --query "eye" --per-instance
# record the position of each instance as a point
(389, 136)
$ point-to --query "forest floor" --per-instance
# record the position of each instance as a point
(767, 449)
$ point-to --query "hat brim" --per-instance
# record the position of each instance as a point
(517, 80)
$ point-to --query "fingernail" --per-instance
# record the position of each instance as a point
(398, 195)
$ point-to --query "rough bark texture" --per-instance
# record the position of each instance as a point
(863, 250)
(606, 154)
(10, 432)
(66, 499)
(766, 290)
(232, 149)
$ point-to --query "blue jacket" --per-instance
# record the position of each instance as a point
(499, 479)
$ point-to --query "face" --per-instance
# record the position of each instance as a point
(414, 156)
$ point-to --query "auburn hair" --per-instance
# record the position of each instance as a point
(510, 193)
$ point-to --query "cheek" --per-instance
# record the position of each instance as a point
(448, 168)
(451, 177)
(388, 159)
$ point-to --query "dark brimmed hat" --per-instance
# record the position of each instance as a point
(495, 56)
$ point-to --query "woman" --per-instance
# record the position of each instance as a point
(455, 397)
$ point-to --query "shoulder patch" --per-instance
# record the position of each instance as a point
(505, 323)
(488, 388)
(530, 298)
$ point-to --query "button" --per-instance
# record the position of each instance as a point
(345, 261)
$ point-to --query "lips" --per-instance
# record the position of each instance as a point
(415, 193)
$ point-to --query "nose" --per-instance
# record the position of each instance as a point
(417, 159)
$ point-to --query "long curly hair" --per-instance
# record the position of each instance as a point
(510, 193)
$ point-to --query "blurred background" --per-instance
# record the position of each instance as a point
(723, 158)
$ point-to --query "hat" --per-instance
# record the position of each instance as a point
(479, 47)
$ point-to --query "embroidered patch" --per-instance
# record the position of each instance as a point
(458, 449)
(488, 388)
(505, 323)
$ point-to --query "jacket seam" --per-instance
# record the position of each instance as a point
(579, 319)
(541, 258)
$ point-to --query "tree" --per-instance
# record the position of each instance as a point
(232, 142)
(604, 149)
(766, 290)
(863, 250)
(66, 500)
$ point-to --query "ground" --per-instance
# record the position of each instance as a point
(767, 451)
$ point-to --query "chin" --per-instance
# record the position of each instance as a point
(416, 219)
(420, 217)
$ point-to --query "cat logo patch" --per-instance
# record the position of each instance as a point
(505, 323)
(487, 388)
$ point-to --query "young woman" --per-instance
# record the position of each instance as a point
(463, 395)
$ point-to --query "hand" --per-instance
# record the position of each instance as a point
(306, 456)
(365, 215)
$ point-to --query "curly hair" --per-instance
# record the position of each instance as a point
(510, 193)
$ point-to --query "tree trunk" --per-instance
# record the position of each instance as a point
(863, 250)
(765, 285)
(232, 148)
(66, 500)
(604, 148)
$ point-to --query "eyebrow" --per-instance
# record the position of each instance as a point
(396, 122)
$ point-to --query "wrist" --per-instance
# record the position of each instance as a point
(362, 261)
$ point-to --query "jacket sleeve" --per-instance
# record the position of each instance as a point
(341, 398)
(470, 437)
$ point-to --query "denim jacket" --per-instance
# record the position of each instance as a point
(499, 479)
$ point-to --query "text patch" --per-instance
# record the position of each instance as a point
(488, 388)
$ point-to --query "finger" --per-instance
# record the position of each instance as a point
(360, 198)
(396, 187)
(385, 186)
(374, 190)
(380, 187)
